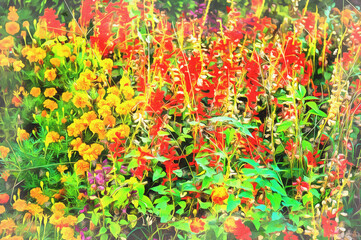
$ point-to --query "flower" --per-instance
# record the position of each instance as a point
(17, 101)
(197, 225)
(50, 92)
(58, 207)
(290, 236)
(22, 135)
(128, 92)
(97, 126)
(51, 137)
(107, 64)
(26, 24)
(50, 74)
(2, 209)
(122, 131)
(4, 198)
(301, 186)
(66, 96)
(67, 233)
(8, 225)
(5, 175)
(6, 43)
(63, 51)
(55, 62)
(81, 167)
(219, 194)
(34, 209)
(329, 227)
(50, 104)
(12, 27)
(20, 205)
(230, 225)
(81, 100)
(18, 65)
(35, 92)
(12, 15)
(61, 168)
(36, 192)
(4, 151)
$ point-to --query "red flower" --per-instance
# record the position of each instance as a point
(329, 227)
(197, 225)
(290, 236)
(53, 24)
(242, 232)
(301, 186)
(311, 159)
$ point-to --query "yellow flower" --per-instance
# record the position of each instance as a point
(4, 61)
(34, 209)
(4, 151)
(50, 92)
(35, 92)
(50, 74)
(90, 153)
(50, 104)
(55, 62)
(81, 100)
(63, 51)
(97, 126)
(36, 192)
(51, 137)
(8, 226)
(76, 143)
(82, 83)
(6, 43)
(88, 117)
(81, 167)
(122, 131)
(107, 65)
(12, 27)
(66, 96)
(2, 209)
(12, 15)
(26, 24)
(219, 195)
(58, 207)
(112, 100)
(22, 135)
(128, 92)
(20, 205)
(67, 233)
(61, 168)
(42, 199)
(18, 65)
(76, 128)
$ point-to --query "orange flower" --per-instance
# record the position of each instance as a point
(66, 96)
(81, 167)
(20, 205)
(97, 126)
(107, 65)
(8, 225)
(72, 58)
(36, 192)
(2, 209)
(82, 83)
(42, 199)
(219, 195)
(76, 143)
(6, 43)
(81, 196)
(50, 74)
(50, 104)
(64, 51)
(230, 225)
(12, 15)
(5, 175)
(17, 101)
(34, 209)
(51, 137)
(88, 117)
(55, 62)
(81, 100)
(67, 233)
(23, 135)
(18, 65)
(26, 24)
(87, 63)
(44, 113)
(61, 168)
(50, 92)
(35, 92)
(12, 27)
(122, 131)
(197, 225)
(4, 198)
(4, 151)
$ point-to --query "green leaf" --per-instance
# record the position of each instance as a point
(275, 186)
(232, 203)
(284, 126)
(114, 229)
(106, 200)
(132, 220)
(315, 109)
(306, 145)
(102, 231)
(81, 217)
(158, 173)
(275, 199)
(204, 205)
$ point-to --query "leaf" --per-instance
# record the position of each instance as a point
(132, 220)
(102, 231)
(284, 126)
(106, 200)
(114, 229)
(306, 145)
(315, 109)
(275, 200)
(158, 173)
(81, 217)
(275, 186)
(232, 203)
(204, 205)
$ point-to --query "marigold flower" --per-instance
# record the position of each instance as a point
(36, 192)
(18, 65)
(6, 43)
(8, 226)
(35, 92)
(197, 225)
(22, 135)
(20, 205)
(109, 121)
(67, 233)
(58, 207)
(50, 92)
(81, 100)
(50, 74)
(2, 209)
(51, 137)
(72, 58)
(219, 194)
(81, 167)
(121, 131)
(76, 128)
(34, 209)
(4, 151)
(107, 65)
(61, 168)
(128, 92)
(82, 83)
(63, 51)
(230, 225)
(26, 24)
(12, 27)
(50, 104)
(55, 62)
(97, 126)
(44, 113)
(42, 199)
(17, 101)
(4, 198)
(66, 96)
(12, 15)
(5, 175)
